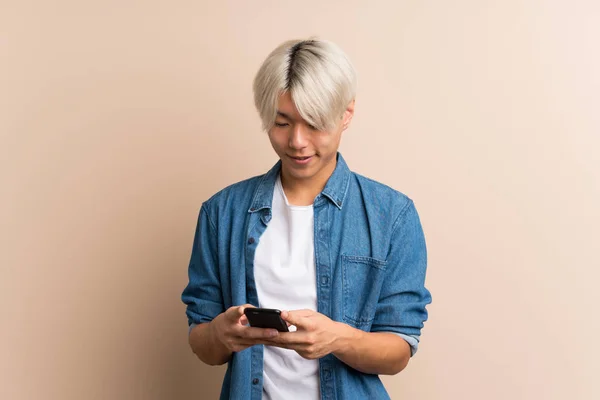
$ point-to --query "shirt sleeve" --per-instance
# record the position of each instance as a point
(192, 326)
(401, 307)
(412, 340)
(203, 295)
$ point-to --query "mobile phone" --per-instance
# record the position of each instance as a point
(266, 318)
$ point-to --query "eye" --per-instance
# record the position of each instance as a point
(281, 124)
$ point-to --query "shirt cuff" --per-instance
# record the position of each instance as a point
(412, 340)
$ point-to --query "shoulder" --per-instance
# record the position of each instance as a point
(235, 196)
(241, 188)
(382, 195)
(387, 207)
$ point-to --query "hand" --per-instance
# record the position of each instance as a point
(229, 329)
(316, 335)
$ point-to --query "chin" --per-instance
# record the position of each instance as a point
(300, 174)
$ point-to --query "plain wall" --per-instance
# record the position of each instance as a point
(118, 118)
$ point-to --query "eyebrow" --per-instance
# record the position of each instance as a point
(284, 115)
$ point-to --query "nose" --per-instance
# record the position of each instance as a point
(298, 137)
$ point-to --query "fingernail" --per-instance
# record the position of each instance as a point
(273, 333)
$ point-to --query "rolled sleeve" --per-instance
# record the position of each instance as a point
(402, 303)
(412, 340)
(203, 295)
(192, 326)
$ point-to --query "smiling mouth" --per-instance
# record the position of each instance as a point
(301, 160)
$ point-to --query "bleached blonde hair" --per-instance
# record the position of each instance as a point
(318, 75)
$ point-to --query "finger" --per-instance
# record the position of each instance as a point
(248, 332)
(244, 344)
(244, 320)
(289, 346)
(298, 317)
(291, 339)
(254, 342)
(236, 312)
(305, 312)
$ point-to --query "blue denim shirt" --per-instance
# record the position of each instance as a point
(370, 261)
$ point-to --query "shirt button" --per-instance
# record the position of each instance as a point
(251, 240)
(324, 280)
(255, 381)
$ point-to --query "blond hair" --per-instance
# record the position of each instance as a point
(317, 73)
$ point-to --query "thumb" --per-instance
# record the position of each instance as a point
(236, 312)
(294, 318)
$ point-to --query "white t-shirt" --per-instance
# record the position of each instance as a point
(285, 276)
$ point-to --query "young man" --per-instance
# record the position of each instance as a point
(343, 255)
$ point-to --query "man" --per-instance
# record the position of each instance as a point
(342, 255)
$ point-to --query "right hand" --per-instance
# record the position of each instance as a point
(229, 328)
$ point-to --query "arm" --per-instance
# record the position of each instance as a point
(403, 299)
(368, 352)
(214, 342)
(216, 333)
(400, 312)
(372, 352)
(203, 295)
(206, 347)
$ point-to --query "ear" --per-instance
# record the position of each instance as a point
(348, 114)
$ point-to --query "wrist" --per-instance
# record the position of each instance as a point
(213, 335)
(346, 336)
(215, 340)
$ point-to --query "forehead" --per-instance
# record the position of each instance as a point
(286, 106)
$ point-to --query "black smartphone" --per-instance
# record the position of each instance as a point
(266, 318)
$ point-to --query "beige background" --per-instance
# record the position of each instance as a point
(118, 118)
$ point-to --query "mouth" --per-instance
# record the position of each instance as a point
(301, 160)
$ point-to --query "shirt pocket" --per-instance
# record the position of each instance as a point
(362, 278)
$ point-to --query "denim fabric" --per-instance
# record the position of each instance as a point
(370, 258)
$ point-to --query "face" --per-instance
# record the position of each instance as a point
(306, 153)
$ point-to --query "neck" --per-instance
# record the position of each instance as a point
(302, 192)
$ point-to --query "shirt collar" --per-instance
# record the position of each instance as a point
(335, 190)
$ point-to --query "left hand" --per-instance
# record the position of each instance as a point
(315, 337)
